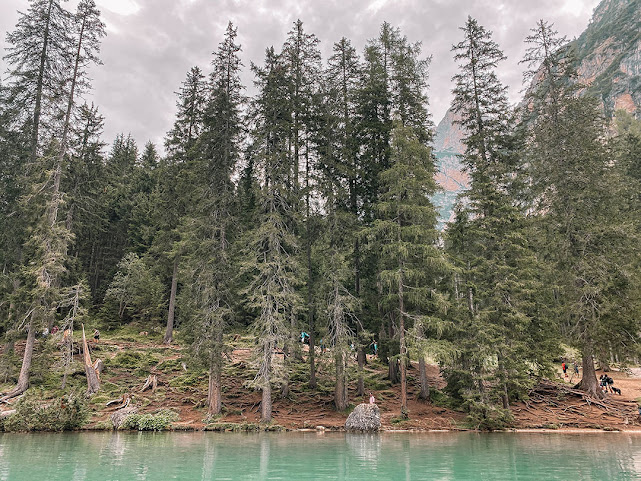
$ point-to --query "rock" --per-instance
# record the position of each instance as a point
(119, 416)
(365, 418)
(6, 414)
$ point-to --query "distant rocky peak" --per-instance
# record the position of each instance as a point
(608, 56)
(449, 134)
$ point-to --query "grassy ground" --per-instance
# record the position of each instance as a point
(130, 355)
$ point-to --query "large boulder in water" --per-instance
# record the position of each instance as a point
(365, 418)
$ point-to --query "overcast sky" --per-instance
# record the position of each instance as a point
(151, 44)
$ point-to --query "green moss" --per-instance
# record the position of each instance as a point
(132, 360)
(188, 380)
(170, 365)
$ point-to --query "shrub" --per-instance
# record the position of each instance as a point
(132, 360)
(159, 421)
(69, 413)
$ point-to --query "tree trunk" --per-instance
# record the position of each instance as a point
(505, 397)
(312, 360)
(360, 355)
(39, 87)
(392, 371)
(422, 372)
(589, 382)
(93, 382)
(23, 378)
(169, 332)
(402, 346)
(340, 390)
(214, 404)
(266, 404)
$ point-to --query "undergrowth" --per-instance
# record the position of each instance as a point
(33, 414)
(160, 421)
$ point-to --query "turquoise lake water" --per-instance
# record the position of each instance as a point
(317, 456)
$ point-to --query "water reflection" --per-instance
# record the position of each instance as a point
(310, 456)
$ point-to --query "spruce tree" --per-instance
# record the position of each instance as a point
(586, 232)
(338, 153)
(583, 221)
(489, 244)
(211, 230)
(41, 68)
(271, 257)
(411, 261)
(303, 61)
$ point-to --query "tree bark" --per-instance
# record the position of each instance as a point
(360, 355)
(23, 378)
(589, 382)
(266, 404)
(169, 332)
(93, 382)
(312, 360)
(340, 390)
(214, 403)
(422, 372)
(402, 346)
(392, 371)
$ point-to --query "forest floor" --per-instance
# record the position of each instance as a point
(130, 357)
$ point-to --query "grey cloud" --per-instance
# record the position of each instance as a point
(146, 55)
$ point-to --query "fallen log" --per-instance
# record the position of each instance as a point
(123, 400)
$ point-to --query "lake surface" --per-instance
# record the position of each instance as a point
(319, 456)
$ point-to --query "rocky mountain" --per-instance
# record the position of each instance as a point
(448, 144)
(608, 56)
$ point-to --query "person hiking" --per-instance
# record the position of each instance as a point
(602, 382)
(565, 368)
(609, 382)
(575, 371)
(371, 399)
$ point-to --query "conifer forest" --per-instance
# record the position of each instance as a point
(302, 208)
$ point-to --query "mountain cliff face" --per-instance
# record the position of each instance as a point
(448, 144)
(608, 59)
(609, 56)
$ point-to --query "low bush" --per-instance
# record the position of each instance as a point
(132, 360)
(32, 414)
(159, 421)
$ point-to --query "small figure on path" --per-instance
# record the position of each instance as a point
(373, 401)
(565, 368)
(575, 371)
(96, 334)
(609, 382)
